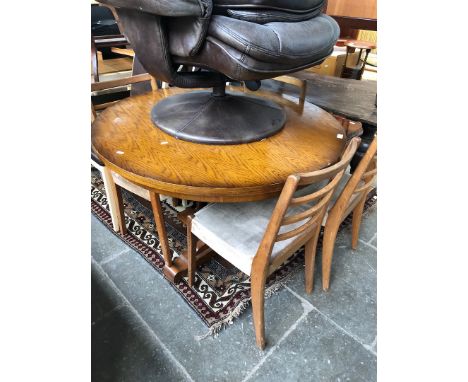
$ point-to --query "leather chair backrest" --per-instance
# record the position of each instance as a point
(282, 5)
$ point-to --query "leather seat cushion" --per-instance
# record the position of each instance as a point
(275, 49)
(284, 5)
(280, 42)
(234, 64)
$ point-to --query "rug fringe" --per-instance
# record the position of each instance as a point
(221, 325)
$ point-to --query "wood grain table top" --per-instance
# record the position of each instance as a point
(127, 141)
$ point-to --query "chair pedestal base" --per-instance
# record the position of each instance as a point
(204, 117)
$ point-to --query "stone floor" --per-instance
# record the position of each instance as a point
(142, 330)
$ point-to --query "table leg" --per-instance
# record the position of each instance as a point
(161, 228)
(177, 268)
(114, 197)
(121, 209)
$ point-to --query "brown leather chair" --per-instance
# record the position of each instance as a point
(227, 40)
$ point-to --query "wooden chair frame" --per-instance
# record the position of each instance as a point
(305, 234)
(300, 83)
(98, 42)
(112, 182)
(360, 184)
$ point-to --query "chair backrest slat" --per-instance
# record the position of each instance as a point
(371, 172)
(359, 185)
(309, 218)
(329, 172)
(308, 198)
(296, 231)
(363, 188)
(305, 214)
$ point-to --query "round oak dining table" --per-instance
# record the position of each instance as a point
(130, 145)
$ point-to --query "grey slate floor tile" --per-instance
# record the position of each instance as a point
(368, 225)
(351, 300)
(103, 297)
(104, 243)
(317, 351)
(230, 355)
(374, 241)
(124, 350)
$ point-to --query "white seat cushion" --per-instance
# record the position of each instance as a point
(235, 230)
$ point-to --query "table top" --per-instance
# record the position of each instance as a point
(126, 140)
(352, 99)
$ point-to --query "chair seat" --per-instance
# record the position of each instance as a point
(244, 50)
(235, 230)
(277, 41)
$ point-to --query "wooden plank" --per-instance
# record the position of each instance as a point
(349, 98)
(126, 52)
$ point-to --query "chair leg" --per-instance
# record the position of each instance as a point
(310, 251)
(191, 252)
(258, 306)
(357, 218)
(328, 245)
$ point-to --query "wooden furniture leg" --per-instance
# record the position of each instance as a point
(191, 252)
(161, 228)
(175, 269)
(329, 236)
(112, 199)
(310, 251)
(258, 306)
(120, 209)
(257, 290)
(115, 200)
(357, 218)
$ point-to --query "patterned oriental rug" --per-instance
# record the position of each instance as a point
(220, 292)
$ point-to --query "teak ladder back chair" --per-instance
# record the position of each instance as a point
(257, 237)
(112, 181)
(351, 199)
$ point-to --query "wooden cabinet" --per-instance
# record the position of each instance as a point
(366, 9)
